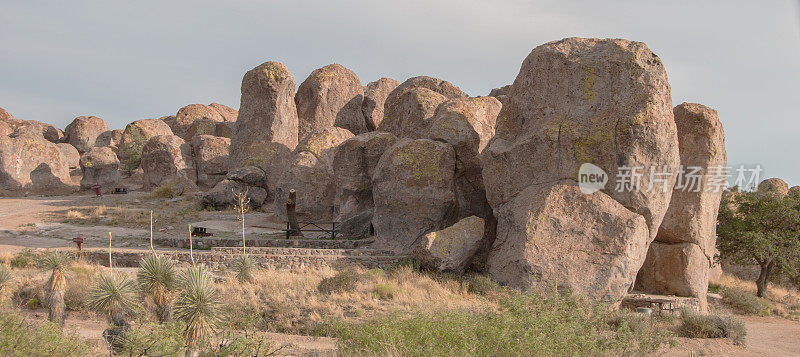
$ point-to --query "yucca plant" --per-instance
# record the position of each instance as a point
(198, 305)
(157, 282)
(5, 276)
(113, 295)
(58, 264)
(244, 268)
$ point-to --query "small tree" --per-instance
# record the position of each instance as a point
(243, 265)
(58, 264)
(760, 228)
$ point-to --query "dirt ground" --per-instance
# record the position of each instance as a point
(29, 222)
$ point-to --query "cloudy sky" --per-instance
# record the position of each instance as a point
(125, 61)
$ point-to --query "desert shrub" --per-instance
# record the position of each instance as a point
(76, 292)
(714, 288)
(152, 339)
(198, 304)
(409, 262)
(385, 291)
(113, 294)
(343, 280)
(23, 259)
(19, 337)
(744, 302)
(482, 285)
(694, 325)
(132, 149)
(524, 324)
(165, 191)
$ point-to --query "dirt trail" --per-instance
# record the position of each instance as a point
(772, 336)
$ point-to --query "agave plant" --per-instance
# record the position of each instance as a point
(198, 305)
(244, 268)
(157, 281)
(58, 264)
(113, 295)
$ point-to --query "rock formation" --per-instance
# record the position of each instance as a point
(375, 94)
(167, 159)
(30, 164)
(330, 96)
(451, 249)
(83, 132)
(210, 159)
(100, 166)
(267, 115)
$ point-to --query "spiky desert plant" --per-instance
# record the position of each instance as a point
(5, 276)
(158, 282)
(58, 264)
(244, 267)
(198, 305)
(113, 295)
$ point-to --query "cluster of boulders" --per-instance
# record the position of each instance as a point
(38, 158)
(482, 183)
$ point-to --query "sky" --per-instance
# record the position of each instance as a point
(125, 61)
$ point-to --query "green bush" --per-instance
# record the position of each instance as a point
(165, 191)
(19, 337)
(483, 285)
(23, 259)
(694, 325)
(152, 339)
(745, 302)
(342, 281)
(385, 291)
(525, 324)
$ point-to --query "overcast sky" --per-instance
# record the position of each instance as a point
(125, 61)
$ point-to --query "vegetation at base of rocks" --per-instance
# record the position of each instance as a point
(132, 149)
(523, 324)
(761, 228)
(166, 190)
(744, 302)
(694, 325)
(483, 285)
(385, 291)
(19, 337)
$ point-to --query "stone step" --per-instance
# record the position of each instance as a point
(266, 242)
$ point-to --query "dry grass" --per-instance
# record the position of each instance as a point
(132, 215)
(780, 300)
(285, 301)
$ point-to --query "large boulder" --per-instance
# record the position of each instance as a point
(267, 115)
(50, 132)
(353, 166)
(467, 124)
(209, 127)
(773, 186)
(228, 114)
(109, 138)
(226, 194)
(311, 175)
(553, 235)
(5, 129)
(413, 193)
(692, 213)
(437, 85)
(330, 96)
(249, 175)
(210, 159)
(29, 163)
(451, 249)
(13, 123)
(69, 155)
(135, 135)
(100, 166)
(168, 159)
(576, 101)
(188, 114)
(375, 94)
(83, 132)
(409, 113)
(680, 269)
